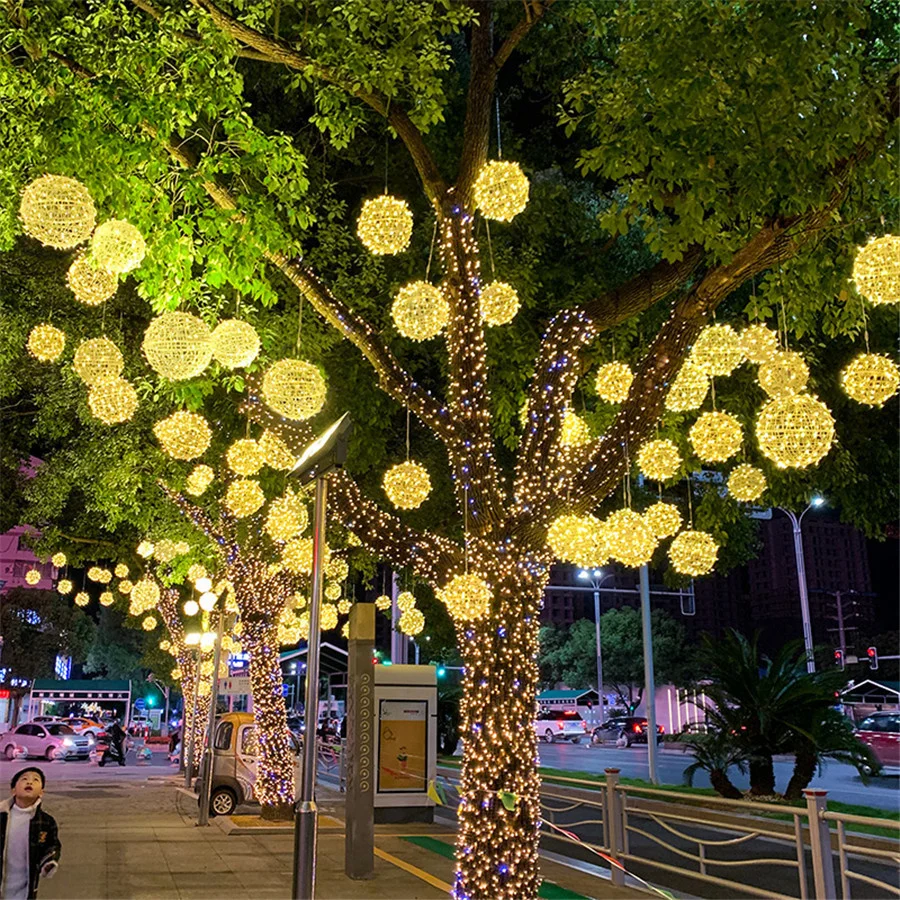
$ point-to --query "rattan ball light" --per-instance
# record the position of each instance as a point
(144, 596)
(693, 553)
(574, 431)
(338, 569)
(578, 539)
(716, 436)
(91, 284)
(785, 372)
(385, 224)
(795, 431)
(717, 350)
(467, 597)
(689, 389)
(277, 453)
(630, 538)
(406, 600)
(412, 622)
(107, 598)
(501, 190)
(420, 311)
(125, 586)
(121, 570)
(244, 497)
(97, 358)
(58, 560)
(294, 388)
(82, 598)
(58, 211)
(46, 342)
(328, 617)
(32, 576)
(177, 345)
(664, 519)
(407, 484)
(383, 602)
(234, 343)
(332, 591)
(659, 459)
(287, 517)
(64, 586)
(245, 457)
(118, 246)
(871, 379)
(112, 400)
(876, 270)
(183, 435)
(343, 605)
(499, 303)
(758, 342)
(148, 623)
(614, 381)
(199, 479)
(746, 483)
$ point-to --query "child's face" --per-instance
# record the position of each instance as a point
(28, 789)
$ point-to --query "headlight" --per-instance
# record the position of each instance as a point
(68, 741)
(91, 738)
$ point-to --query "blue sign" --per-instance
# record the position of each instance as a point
(140, 703)
(285, 690)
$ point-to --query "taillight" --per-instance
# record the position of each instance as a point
(560, 726)
(637, 728)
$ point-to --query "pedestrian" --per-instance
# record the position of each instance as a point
(29, 844)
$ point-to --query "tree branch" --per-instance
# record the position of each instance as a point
(534, 12)
(221, 536)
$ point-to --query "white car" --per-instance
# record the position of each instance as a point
(50, 740)
(80, 725)
(560, 725)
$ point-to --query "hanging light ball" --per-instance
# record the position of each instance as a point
(405, 600)
(784, 373)
(82, 598)
(689, 389)
(383, 602)
(876, 270)
(165, 645)
(32, 576)
(97, 358)
(578, 539)
(234, 343)
(149, 623)
(693, 553)
(501, 190)
(758, 342)
(287, 517)
(420, 311)
(328, 617)
(244, 497)
(466, 597)
(90, 284)
(183, 435)
(297, 556)
(613, 382)
(871, 379)
(58, 211)
(118, 246)
(629, 538)
(275, 451)
(94, 573)
(199, 479)
(385, 225)
(499, 303)
(294, 388)
(337, 569)
(46, 342)
(64, 586)
(144, 549)
(343, 606)
(659, 459)
(411, 623)
(121, 570)
(795, 431)
(125, 586)
(177, 345)
(191, 607)
(112, 400)
(664, 519)
(717, 350)
(107, 598)
(574, 431)
(58, 560)
(244, 457)
(332, 591)
(716, 436)
(165, 550)
(746, 483)
(407, 484)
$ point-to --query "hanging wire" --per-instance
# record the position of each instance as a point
(407, 430)
(712, 391)
(487, 226)
(690, 501)
(431, 249)
(497, 113)
(862, 303)
(386, 151)
(299, 323)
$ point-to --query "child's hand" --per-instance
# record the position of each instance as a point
(49, 869)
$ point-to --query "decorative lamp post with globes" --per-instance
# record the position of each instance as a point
(596, 578)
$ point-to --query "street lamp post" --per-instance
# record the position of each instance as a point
(797, 523)
(596, 578)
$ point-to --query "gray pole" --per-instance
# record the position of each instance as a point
(305, 814)
(804, 595)
(189, 759)
(649, 684)
(164, 731)
(599, 653)
(842, 637)
(206, 786)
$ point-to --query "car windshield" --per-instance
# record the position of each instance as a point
(59, 729)
(554, 715)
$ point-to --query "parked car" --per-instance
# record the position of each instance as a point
(560, 725)
(625, 731)
(51, 740)
(90, 728)
(44, 719)
(881, 731)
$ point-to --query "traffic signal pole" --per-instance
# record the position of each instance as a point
(649, 683)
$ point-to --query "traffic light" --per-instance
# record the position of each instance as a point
(441, 672)
(872, 653)
(839, 658)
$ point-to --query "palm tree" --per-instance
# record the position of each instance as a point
(715, 753)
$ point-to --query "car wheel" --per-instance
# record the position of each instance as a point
(10, 751)
(623, 740)
(50, 754)
(596, 737)
(866, 770)
(89, 734)
(548, 736)
(576, 740)
(222, 802)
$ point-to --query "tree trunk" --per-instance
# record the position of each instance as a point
(805, 763)
(497, 848)
(723, 786)
(762, 775)
(190, 725)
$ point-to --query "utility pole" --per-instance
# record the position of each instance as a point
(649, 683)
(842, 638)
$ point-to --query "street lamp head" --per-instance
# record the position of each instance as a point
(583, 574)
(817, 501)
(598, 573)
(192, 638)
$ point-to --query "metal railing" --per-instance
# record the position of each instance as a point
(849, 848)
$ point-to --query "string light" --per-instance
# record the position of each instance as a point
(244, 497)
(716, 436)
(294, 388)
(876, 270)
(717, 350)
(112, 400)
(689, 389)
(82, 598)
(199, 479)
(499, 303)
(693, 553)
(118, 246)
(420, 311)
(467, 597)
(578, 539)
(746, 483)
(58, 559)
(245, 457)
(795, 431)
(125, 586)
(383, 602)
(46, 342)
(276, 452)
(234, 343)
(574, 431)
(177, 345)
(58, 211)
(64, 586)
(663, 519)
(630, 540)
(91, 285)
(758, 343)
(107, 598)
(183, 435)
(287, 517)
(871, 379)
(32, 576)
(613, 382)
(784, 373)
(501, 190)
(385, 224)
(659, 459)
(407, 484)
(97, 358)
(412, 621)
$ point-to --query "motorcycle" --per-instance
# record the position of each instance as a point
(111, 752)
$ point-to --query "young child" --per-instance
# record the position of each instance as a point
(29, 845)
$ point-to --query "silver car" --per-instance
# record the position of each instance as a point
(560, 725)
(51, 740)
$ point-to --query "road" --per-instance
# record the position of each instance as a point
(841, 781)
(84, 770)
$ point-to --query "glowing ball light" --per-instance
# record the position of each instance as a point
(177, 345)
(207, 601)
(97, 358)
(659, 459)
(202, 581)
(118, 246)
(112, 400)
(245, 457)
(297, 556)
(876, 270)
(165, 645)
(183, 435)
(343, 606)
(412, 622)
(275, 451)
(287, 517)
(574, 431)
(693, 553)
(107, 598)
(499, 303)
(338, 569)
(46, 342)
(717, 350)
(144, 596)
(234, 343)
(385, 225)
(125, 586)
(165, 550)
(58, 560)
(467, 597)
(328, 617)
(613, 382)
(795, 431)
(407, 484)
(144, 549)
(383, 602)
(191, 607)
(420, 311)
(746, 483)
(94, 573)
(784, 373)
(332, 591)
(121, 570)
(716, 436)
(149, 623)
(244, 497)
(90, 284)
(405, 600)
(32, 576)
(758, 343)
(501, 190)
(578, 539)
(82, 598)
(664, 519)
(629, 538)
(689, 389)
(199, 479)
(64, 586)
(294, 388)
(870, 379)
(58, 211)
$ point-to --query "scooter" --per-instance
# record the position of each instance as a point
(113, 753)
